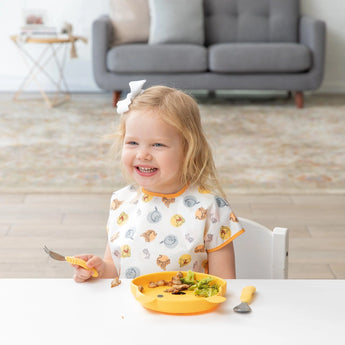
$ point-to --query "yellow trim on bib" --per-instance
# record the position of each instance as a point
(227, 242)
(162, 195)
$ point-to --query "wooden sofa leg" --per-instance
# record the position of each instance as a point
(211, 93)
(116, 97)
(299, 99)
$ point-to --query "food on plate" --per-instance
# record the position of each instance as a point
(189, 278)
(158, 283)
(205, 287)
(177, 288)
(190, 285)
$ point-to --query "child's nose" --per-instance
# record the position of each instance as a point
(144, 154)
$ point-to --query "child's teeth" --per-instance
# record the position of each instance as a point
(147, 170)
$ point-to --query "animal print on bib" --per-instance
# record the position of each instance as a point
(150, 232)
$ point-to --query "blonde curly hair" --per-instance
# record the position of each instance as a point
(181, 111)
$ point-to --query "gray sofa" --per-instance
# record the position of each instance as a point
(249, 45)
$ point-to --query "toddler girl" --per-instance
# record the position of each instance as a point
(173, 216)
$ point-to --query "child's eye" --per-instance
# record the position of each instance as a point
(131, 143)
(158, 145)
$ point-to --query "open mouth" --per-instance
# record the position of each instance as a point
(145, 171)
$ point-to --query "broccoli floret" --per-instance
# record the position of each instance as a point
(206, 291)
(189, 278)
(205, 287)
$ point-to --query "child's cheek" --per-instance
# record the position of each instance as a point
(127, 160)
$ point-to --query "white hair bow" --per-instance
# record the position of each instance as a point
(136, 89)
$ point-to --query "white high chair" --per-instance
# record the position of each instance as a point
(260, 252)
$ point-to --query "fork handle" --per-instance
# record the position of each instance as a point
(247, 293)
(80, 262)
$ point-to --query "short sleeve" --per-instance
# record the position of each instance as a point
(222, 225)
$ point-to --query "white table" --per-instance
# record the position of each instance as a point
(60, 311)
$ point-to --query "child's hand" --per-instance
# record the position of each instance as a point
(92, 261)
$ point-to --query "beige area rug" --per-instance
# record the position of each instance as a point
(260, 146)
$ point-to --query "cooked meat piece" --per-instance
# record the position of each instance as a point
(153, 285)
(115, 282)
(179, 274)
(177, 288)
(176, 281)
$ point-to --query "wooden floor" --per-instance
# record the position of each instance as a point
(75, 224)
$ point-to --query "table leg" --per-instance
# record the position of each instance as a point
(38, 67)
(31, 74)
(62, 88)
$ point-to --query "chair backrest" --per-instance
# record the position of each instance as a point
(260, 252)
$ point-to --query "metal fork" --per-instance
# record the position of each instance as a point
(71, 259)
(54, 255)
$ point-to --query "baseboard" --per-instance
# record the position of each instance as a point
(11, 84)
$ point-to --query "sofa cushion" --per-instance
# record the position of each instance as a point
(130, 20)
(259, 57)
(147, 58)
(176, 21)
(251, 21)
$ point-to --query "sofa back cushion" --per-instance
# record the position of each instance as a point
(251, 21)
(176, 21)
(130, 20)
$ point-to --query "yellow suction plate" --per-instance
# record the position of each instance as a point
(165, 302)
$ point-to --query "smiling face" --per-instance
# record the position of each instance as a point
(152, 152)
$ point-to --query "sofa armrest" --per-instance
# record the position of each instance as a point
(312, 33)
(102, 33)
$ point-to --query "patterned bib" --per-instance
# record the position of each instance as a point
(151, 232)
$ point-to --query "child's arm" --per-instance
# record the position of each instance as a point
(221, 263)
(105, 267)
(110, 271)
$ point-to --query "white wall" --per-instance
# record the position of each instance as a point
(333, 13)
(81, 13)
